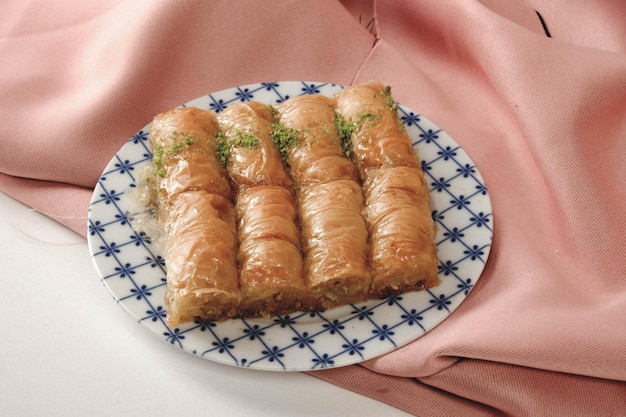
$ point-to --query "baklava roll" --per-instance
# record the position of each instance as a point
(269, 256)
(200, 259)
(270, 261)
(246, 146)
(330, 203)
(334, 237)
(197, 216)
(183, 143)
(378, 138)
(402, 251)
(315, 154)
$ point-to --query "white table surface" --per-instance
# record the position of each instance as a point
(67, 349)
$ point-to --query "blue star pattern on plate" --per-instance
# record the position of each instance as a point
(134, 271)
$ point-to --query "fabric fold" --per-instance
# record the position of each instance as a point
(108, 70)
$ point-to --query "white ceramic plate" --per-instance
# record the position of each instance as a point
(133, 270)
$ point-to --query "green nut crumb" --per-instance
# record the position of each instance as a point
(181, 141)
(391, 103)
(239, 140)
(222, 147)
(345, 130)
(371, 118)
(245, 140)
(284, 138)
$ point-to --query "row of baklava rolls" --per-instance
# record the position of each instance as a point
(264, 213)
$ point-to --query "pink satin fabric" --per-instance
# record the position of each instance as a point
(544, 118)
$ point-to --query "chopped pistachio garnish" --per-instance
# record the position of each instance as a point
(371, 118)
(274, 111)
(222, 147)
(241, 140)
(181, 142)
(245, 140)
(393, 106)
(284, 138)
(157, 161)
(391, 103)
(345, 129)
